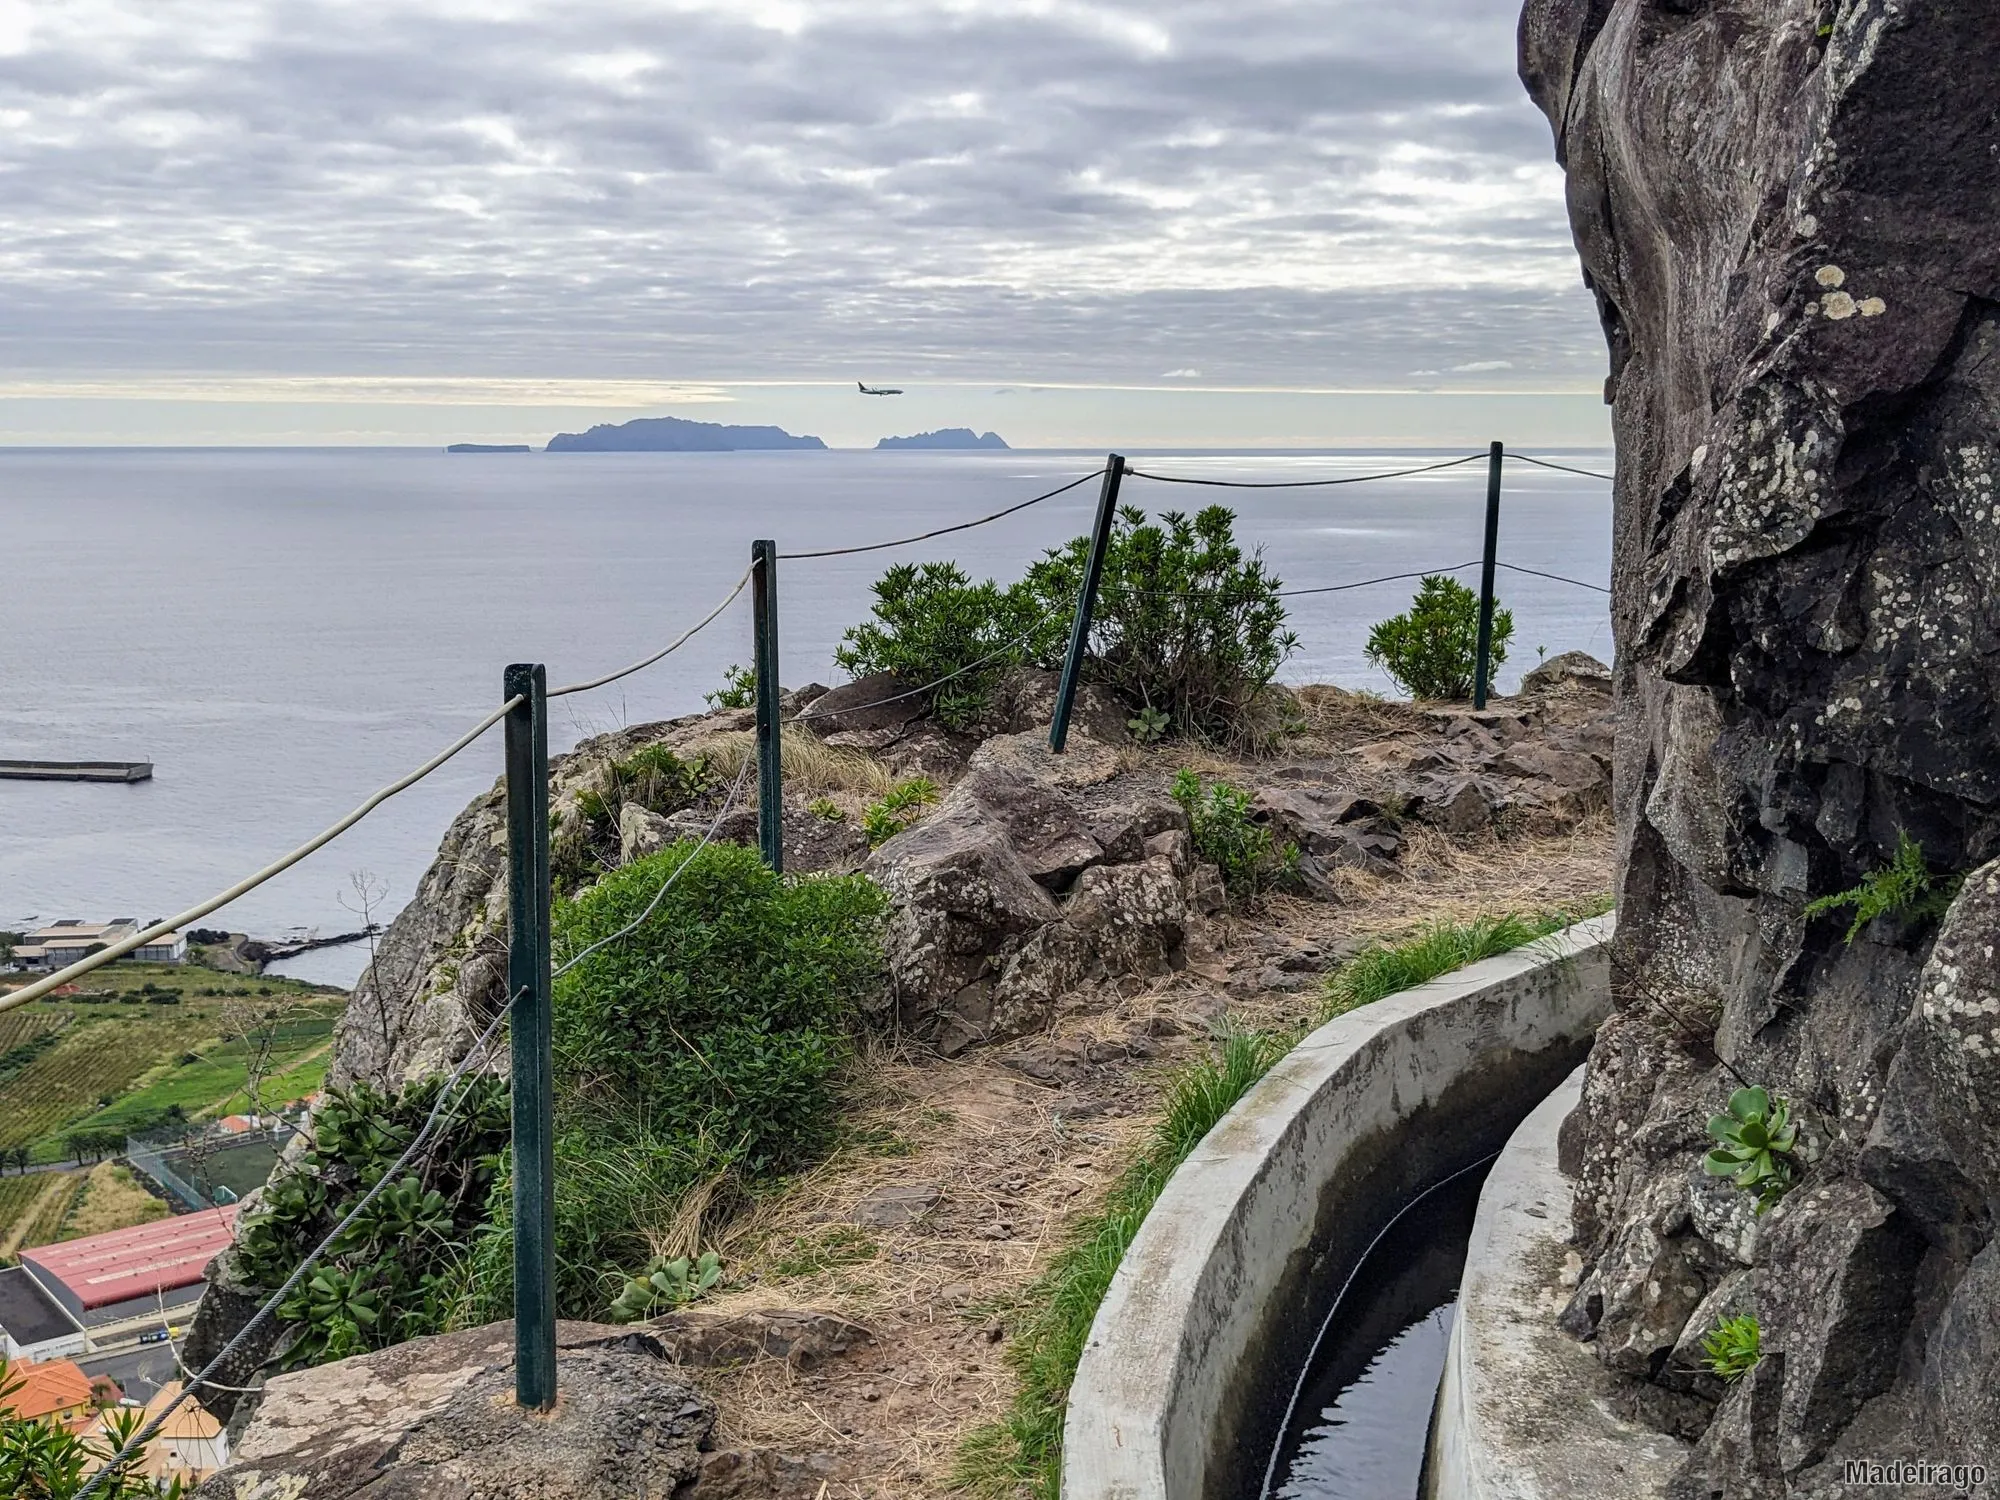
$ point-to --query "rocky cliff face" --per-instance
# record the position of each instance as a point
(1789, 212)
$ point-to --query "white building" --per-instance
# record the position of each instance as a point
(63, 943)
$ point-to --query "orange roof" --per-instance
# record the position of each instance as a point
(166, 1254)
(48, 1389)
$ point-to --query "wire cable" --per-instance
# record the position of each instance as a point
(1565, 468)
(664, 652)
(146, 1434)
(1299, 484)
(942, 530)
(806, 714)
(1538, 573)
(277, 867)
(1338, 588)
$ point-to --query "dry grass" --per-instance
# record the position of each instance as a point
(1336, 717)
(38, 1219)
(810, 764)
(111, 1199)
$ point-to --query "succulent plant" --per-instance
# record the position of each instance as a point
(1756, 1146)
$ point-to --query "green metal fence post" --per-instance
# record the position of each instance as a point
(1086, 603)
(531, 1027)
(1483, 672)
(770, 747)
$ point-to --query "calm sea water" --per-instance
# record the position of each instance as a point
(281, 631)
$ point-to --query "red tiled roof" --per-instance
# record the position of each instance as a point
(46, 1389)
(157, 1257)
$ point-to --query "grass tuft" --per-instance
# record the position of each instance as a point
(1439, 948)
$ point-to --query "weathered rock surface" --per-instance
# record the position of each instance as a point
(1790, 217)
(435, 1419)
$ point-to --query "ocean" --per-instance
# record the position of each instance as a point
(281, 631)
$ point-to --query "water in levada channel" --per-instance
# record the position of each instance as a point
(1361, 1414)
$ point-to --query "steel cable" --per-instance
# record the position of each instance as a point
(1564, 468)
(942, 530)
(1299, 484)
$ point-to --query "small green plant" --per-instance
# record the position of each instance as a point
(826, 809)
(738, 690)
(1227, 836)
(666, 1286)
(1757, 1146)
(1905, 887)
(654, 777)
(1149, 726)
(899, 810)
(1733, 1347)
(1432, 651)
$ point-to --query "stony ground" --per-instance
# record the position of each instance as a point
(900, 1257)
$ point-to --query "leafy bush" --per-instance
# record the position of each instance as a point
(932, 621)
(702, 1048)
(1733, 1347)
(42, 1460)
(1432, 652)
(1227, 837)
(1757, 1146)
(1185, 624)
(898, 810)
(398, 1271)
(738, 690)
(1188, 632)
(1905, 887)
(1022, 1453)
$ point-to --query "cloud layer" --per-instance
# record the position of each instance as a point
(1272, 191)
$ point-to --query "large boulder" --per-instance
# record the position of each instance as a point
(1789, 215)
(435, 1419)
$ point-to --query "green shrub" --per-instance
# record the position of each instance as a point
(398, 1271)
(826, 810)
(738, 690)
(701, 1048)
(1185, 625)
(898, 810)
(1757, 1146)
(1224, 834)
(1733, 1347)
(1432, 652)
(1022, 1453)
(1905, 887)
(931, 621)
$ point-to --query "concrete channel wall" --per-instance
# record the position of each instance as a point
(1190, 1364)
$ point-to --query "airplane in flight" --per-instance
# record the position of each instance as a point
(871, 390)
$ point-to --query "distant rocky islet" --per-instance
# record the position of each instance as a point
(678, 435)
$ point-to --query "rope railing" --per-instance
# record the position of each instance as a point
(1543, 463)
(1301, 484)
(49, 983)
(925, 536)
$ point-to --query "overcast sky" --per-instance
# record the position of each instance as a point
(499, 215)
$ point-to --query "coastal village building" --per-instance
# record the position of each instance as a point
(128, 1273)
(33, 1326)
(190, 1447)
(53, 1391)
(63, 943)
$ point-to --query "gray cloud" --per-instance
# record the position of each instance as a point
(1309, 191)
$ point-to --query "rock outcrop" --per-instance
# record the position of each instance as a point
(435, 1419)
(1789, 213)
